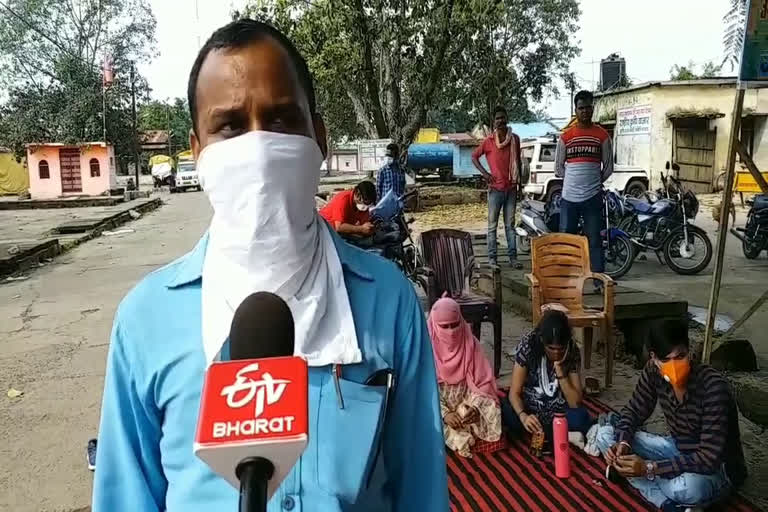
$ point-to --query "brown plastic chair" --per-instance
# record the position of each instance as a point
(560, 267)
(452, 268)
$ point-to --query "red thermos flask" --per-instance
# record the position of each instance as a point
(561, 446)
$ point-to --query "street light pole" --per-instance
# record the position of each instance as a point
(135, 128)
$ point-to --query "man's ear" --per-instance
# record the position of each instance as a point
(194, 144)
(320, 134)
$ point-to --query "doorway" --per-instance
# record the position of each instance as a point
(71, 179)
(693, 149)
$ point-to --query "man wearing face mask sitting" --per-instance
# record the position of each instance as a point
(348, 211)
(702, 458)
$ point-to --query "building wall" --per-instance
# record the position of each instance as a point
(51, 188)
(651, 151)
(344, 163)
(44, 188)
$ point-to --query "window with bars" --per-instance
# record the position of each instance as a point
(43, 170)
(95, 168)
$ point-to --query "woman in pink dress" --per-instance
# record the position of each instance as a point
(468, 396)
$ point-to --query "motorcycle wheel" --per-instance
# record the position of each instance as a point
(752, 249)
(621, 254)
(674, 242)
(523, 244)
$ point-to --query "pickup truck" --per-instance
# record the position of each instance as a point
(539, 156)
(186, 176)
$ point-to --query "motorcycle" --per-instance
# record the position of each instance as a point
(665, 226)
(395, 241)
(754, 235)
(538, 218)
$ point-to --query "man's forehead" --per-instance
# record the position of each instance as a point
(262, 69)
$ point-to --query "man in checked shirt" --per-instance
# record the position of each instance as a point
(702, 458)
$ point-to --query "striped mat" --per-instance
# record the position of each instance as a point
(514, 480)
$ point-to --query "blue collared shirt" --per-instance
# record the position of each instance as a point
(391, 177)
(145, 460)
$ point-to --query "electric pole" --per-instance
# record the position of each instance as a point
(168, 125)
(135, 128)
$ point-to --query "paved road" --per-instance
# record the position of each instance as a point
(54, 335)
(55, 329)
(743, 282)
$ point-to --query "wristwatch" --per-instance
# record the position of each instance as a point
(650, 474)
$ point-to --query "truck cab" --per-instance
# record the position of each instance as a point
(186, 176)
(538, 156)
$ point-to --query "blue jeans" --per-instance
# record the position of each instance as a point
(578, 418)
(687, 489)
(499, 200)
(591, 211)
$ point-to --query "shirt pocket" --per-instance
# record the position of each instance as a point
(348, 439)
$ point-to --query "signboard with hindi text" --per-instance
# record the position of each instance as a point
(753, 69)
(635, 120)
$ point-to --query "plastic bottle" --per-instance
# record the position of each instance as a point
(561, 446)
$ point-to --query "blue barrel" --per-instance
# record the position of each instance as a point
(430, 156)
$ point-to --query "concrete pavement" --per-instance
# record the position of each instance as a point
(55, 332)
(54, 336)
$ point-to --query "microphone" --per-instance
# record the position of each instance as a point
(253, 422)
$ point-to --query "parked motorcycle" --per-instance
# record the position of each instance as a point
(398, 245)
(538, 218)
(665, 225)
(754, 235)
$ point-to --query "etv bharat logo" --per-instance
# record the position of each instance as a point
(265, 391)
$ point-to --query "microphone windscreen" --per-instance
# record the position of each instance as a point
(261, 327)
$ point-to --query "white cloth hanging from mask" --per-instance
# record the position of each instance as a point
(266, 235)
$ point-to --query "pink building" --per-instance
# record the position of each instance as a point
(56, 170)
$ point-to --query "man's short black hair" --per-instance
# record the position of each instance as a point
(583, 95)
(665, 335)
(499, 109)
(240, 34)
(393, 150)
(367, 191)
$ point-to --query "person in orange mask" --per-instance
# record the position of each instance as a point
(701, 460)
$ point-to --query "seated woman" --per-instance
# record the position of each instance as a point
(546, 380)
(468, 397)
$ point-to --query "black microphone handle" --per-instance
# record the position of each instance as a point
(254, 474)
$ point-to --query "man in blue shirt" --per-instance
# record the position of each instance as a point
(391, 176)
(253, 109)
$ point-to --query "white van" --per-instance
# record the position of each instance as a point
(539, 156)
(186, 177)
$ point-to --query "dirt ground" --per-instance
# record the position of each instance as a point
(654, 277)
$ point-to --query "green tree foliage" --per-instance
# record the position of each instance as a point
(384, 68)
(50, 65)
(688, 72)
(173, 116)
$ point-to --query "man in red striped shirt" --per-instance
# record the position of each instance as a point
(584, 159)
(702, 458)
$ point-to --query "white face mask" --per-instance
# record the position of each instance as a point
(389, 160)
(265, 235)
(362, 207)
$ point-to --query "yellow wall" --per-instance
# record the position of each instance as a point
(14, 178)
(652, 151)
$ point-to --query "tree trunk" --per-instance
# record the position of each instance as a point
(433, 78)
(371, 85)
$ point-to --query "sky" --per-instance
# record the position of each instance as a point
(652, 36)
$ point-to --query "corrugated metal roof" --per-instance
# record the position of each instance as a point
(698, 82)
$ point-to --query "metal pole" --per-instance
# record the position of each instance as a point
(197, 28)
(104, 112)
(168, 125)
(722, 233)
(135, 129)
